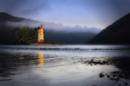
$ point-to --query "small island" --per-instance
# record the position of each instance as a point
(41, 37)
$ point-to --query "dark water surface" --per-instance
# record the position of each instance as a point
(77, 65)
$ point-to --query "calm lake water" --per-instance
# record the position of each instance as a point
(65, 65)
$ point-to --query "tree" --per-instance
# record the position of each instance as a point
(25, 35)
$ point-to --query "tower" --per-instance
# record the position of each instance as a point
(41, 34)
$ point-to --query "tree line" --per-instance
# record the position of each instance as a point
(25, 35)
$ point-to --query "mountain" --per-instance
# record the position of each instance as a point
(117, 33)
(7, 17)
(68, 37)
(5, 29)
(53, 32)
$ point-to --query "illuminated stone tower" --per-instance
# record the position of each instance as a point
(41, 34)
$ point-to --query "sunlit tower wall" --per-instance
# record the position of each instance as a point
(41, 34)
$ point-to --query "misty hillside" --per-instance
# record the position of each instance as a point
(9, 22)
(5, 29)
(6, 17)
(68, 37)
(117, 33)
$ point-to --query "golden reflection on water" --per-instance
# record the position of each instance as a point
(41, 59)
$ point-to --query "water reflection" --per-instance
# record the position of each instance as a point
(41, 59)
(7, 65)
(11, 62)
(63, 69)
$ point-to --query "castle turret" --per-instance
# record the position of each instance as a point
(41, 34)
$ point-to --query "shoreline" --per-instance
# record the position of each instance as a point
(44, 44)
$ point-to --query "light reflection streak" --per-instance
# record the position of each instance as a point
(41, 59)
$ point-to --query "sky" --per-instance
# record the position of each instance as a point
(72, 13)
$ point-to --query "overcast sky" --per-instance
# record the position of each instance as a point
(88, 13)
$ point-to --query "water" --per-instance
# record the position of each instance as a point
(65, 65)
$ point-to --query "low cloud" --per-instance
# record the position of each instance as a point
(52, 26)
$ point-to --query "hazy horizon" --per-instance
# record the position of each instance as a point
(69, 13)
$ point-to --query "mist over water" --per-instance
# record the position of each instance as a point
(78, 65)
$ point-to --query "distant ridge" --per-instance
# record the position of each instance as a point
(8, 22)
(7, 17)
(117, 33)
(6, 34)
